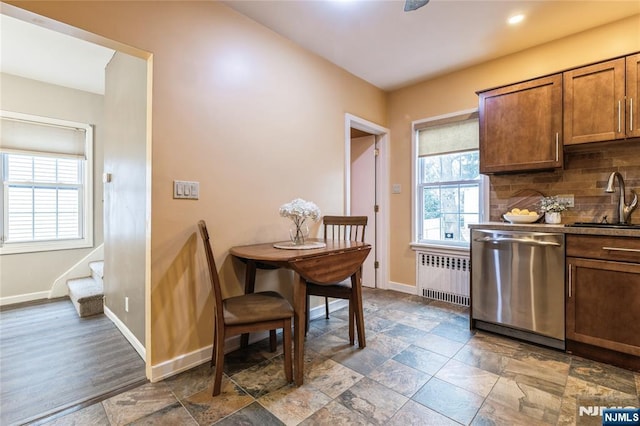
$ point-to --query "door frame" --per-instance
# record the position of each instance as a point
(381, 183)
(143, 348)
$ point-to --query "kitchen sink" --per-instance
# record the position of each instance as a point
(603, 225)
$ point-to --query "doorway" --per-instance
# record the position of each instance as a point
(127, 326)
(112, 92)
(366, 176)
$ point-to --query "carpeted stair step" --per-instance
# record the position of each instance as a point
(97, 270)
(87, 295)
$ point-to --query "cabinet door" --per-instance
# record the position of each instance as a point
(594, 103)
(602, 304)
(633, 96)
(520, 126)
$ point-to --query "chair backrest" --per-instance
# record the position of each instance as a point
(348, 228)
(213, 272)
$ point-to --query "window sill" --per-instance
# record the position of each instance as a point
(19, 248)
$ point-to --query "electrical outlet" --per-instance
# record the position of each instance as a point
(126, 304)
(567, 199)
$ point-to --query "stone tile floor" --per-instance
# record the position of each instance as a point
(421, 366)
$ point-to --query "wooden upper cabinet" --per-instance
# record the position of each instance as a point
(633, 96)
(521, 126)
(594, 103)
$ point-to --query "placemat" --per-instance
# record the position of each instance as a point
(288, 245)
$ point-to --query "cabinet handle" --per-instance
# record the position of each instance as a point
(621, 249)
(619, 117)
(631, 114)
(557, 145)
(570, 279)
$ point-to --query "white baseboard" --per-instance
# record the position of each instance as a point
(181, 363)
(139, 347)
(200, 356)
(29, 297)
(402, 288)
(334, 305)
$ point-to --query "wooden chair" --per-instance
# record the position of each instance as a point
(348, 228)
(260, 311)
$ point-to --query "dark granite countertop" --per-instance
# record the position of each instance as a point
(543, 227)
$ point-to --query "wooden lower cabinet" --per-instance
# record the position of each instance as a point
(603, 309)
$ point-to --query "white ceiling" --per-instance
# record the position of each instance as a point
(379, 42)
(373, 39)
(40, 54)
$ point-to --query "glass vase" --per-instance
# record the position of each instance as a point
(298, 232)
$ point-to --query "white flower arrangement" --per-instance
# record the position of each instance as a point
(552, 205)
(299, 211)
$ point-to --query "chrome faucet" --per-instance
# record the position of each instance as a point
(624, 209)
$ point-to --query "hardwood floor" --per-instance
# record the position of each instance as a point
(51, 360)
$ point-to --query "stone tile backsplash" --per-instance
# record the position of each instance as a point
(585, 174)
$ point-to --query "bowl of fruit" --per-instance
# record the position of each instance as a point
(521, 216)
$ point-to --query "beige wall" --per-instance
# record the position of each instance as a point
(255, 119)
(19, 279)
(125, 196)
(456, 92)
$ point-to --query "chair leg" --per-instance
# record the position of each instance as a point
(358, 312)
(273, 341)
(306, 308)
(326, 307)
(213, 349)
(217, 375)
(352, 334)
(288, 360)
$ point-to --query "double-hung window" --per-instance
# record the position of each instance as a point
(449, 190)
(45, 165)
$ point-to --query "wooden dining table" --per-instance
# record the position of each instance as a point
(337, 261)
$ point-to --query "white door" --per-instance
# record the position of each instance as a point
(363, 197)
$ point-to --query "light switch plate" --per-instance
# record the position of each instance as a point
(396, 188)
(186, 190)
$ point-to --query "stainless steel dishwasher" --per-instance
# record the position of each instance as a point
(517, 284)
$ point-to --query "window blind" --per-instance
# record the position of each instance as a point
(43, 198)
(18, 135)
(453, 134)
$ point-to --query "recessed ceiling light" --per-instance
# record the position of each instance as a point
(516, 19)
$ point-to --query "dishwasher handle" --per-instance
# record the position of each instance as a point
(528, 241)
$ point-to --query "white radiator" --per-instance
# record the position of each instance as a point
(444, 277)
